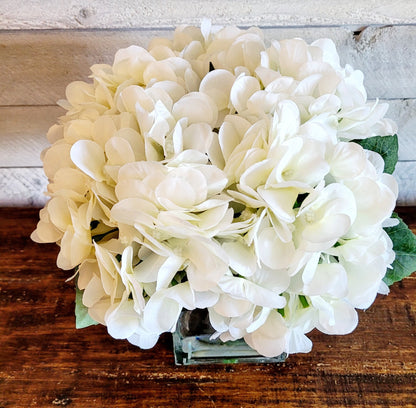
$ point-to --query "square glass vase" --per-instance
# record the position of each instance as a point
(192, 344)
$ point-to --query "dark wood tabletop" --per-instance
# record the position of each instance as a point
(46, 362)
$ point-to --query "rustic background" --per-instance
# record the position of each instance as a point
(44, 361)
(46, 44)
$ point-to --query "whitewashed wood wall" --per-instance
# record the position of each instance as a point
(46, 44)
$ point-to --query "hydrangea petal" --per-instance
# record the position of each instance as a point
(56, 157)
(118, 151)
(143, 339)
(241, 288)
(122, 321)
(338, 317)
(89, 157)
(208, 263)
(217, 84)
(242, 89)
(93, 292)
(272, 251)
(269, 339)
(197, 107)
(242, 258)
(163, 308)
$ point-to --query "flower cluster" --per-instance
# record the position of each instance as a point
(213, 171)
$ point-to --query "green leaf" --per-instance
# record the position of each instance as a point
(404, 245)
(82, 318)
(386, 146)
(304, 302)
(99, 237)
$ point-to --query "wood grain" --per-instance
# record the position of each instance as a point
(41, 14)
(405, 174)
(23, 133)
(22, 187)
(403, 112)
(38, 64)
(45, 362)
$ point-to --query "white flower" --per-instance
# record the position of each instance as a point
(335, 316)
(130, 63)
(269, 340)
(299, 320)
(218, 84)
(197, 107)
(327, 279)
(214, 171)
(64, 222)
(175, 211)
(325, 216)
(365, 259)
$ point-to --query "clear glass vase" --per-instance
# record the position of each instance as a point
(192, 344)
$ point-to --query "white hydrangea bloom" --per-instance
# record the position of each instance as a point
(212, 170)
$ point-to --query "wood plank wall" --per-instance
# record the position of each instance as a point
(46, 44)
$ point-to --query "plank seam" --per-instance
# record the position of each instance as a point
(40, 167)
(57, 106)
(352, 27)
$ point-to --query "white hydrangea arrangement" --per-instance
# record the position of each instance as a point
(213, 171)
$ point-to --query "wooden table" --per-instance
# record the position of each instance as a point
(46, 362)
